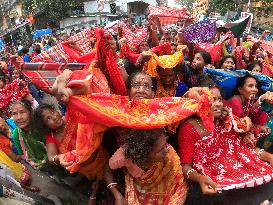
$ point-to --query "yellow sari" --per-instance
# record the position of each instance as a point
(162, 184)
(19, 171)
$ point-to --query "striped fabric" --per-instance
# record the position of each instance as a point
(169, 15)
(43, 75)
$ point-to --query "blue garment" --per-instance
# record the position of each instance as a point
(26, 58)
(12, 126)
(181, 89)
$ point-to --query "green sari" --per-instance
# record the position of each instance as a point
(31, 145)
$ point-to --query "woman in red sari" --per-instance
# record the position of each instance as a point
(222, 161)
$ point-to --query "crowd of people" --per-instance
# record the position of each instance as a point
(143, 118)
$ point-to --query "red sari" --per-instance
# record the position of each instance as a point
(224, 157)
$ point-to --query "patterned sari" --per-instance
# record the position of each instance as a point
(162, 184)
(90, 115)
(31, 145)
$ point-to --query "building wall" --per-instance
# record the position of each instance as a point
(92, 6)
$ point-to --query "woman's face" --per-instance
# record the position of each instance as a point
(166, 38)
(257, 69)
(198, 62)
(52, 119)
(21, 116)
(228, 64)
(249, 88)
(159, 150)
(141, 87)
(144, 46)
(217, 104)
(167, 77)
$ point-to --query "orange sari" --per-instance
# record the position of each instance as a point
(163, 184)
(90, 115)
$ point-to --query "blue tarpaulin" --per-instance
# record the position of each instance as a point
(227, 79)
(42, 32)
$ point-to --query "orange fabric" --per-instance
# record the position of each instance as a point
(163, 183)
(165, 61)
(95, 169)
(5, 145)
(89, 116)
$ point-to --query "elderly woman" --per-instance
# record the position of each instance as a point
(29, 143)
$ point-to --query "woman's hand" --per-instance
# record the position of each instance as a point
(248, 123)
(63, 161)
(250, 139)
(264, 130)
(207, 185)
(268, 96)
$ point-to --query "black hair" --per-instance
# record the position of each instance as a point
(133, 75)
(206, 56)
(241, 81)
(26, 103)
(38, 118)
(139, 143)
(24, 50)
(224, 59)
(253, 64)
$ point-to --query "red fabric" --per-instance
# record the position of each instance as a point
(187, 137)
(228, 161)
(215, 50)
(5, 144)
(134, 38)
(164, 49)
(112, 110)
(126, 51)
(256, 116)
(238, 54)
(50, 139)
(43, 75)
(168, 15)
(15, 90)
(107, 62)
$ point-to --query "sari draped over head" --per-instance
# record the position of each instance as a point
(31, 145)
(163, 183)
(90, 115)
(165, 62)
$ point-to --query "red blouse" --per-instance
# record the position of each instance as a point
(50, 139)
(258, 117)
(187, 137)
